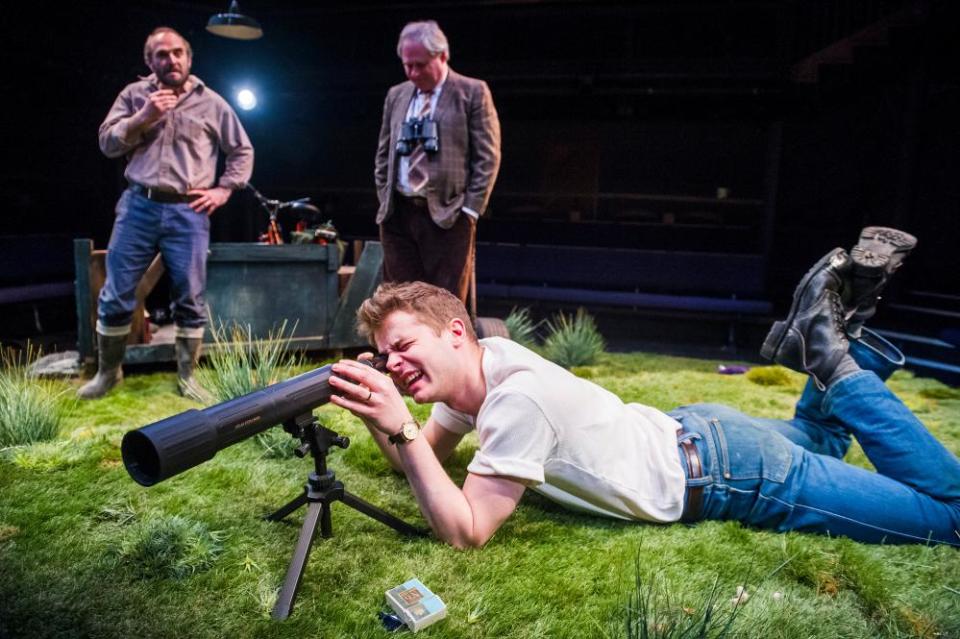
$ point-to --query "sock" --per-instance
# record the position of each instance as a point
(845, 367)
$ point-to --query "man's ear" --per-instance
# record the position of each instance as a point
(457, 329)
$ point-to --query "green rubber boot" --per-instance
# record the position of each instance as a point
(109, 372)
(188, 354)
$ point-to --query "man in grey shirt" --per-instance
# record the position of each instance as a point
(170, 127)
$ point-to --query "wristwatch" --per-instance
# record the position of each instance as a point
(408, 432)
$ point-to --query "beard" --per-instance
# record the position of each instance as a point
(174, 82)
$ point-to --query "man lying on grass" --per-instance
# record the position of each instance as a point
(543, 428)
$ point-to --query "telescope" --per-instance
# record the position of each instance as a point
(175, 444)
(178, 443)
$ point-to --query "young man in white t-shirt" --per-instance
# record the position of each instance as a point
(541, 427)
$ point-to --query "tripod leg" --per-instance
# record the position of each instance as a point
(382, 516)
(288, 508)
(317, 512)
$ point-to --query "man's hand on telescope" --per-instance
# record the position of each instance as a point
(370, 395)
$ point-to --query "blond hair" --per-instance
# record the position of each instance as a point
(432, 305)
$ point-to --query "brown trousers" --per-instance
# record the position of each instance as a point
(416, 249)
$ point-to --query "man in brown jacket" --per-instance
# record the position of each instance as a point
(434, 182)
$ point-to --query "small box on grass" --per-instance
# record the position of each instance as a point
(415, 604)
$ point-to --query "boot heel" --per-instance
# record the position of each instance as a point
(868, 264)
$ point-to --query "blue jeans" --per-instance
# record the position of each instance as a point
(141, 229)
(788, 474)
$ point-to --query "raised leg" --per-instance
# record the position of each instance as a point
(816, 430)
(894, 440)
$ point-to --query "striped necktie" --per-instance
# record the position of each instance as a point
(417, 163)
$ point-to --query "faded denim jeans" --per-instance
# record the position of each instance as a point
(143, 227)
(789, 474)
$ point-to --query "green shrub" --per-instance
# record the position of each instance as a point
(770, 376)
(169, 547)
(573, 340)
(940, 392)
(523, 330)
(31, 409)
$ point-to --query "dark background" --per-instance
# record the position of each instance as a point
(620, 121)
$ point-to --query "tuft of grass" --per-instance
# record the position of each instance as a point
(50, 456)
(654, 611)
(31, 409)
(573, 340)
(171, 547)
(7, 532)
(523, 330)
(940, 392)
(276, 443)
(770, 376)
(240, 364)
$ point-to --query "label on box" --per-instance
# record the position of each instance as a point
(415, 604)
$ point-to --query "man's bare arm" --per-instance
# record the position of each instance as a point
(462, 518)
(442, 441)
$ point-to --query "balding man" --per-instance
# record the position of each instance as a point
(170, 127)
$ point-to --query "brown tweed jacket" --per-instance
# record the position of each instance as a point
(463, 171)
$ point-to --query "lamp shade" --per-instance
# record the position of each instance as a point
(234, 24)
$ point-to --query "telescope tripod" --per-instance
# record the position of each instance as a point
(321, 490)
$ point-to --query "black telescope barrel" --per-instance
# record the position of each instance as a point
(175, 444)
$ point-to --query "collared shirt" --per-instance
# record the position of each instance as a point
(416, 106)
(179, 151)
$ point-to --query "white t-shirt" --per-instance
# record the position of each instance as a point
(571, 440)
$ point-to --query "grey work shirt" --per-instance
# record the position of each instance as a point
(178, 152)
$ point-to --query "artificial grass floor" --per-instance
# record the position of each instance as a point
(86, 552)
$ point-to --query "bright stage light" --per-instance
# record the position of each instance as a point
(246, 99)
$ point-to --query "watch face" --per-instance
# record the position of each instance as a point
(410, 430)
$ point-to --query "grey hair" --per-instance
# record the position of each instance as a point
(148, 46)
(427, 33)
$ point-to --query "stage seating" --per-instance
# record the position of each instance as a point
(35, 267)
(725, 285)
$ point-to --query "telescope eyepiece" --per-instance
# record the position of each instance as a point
(377, 362)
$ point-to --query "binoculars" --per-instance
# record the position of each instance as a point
(418, 131)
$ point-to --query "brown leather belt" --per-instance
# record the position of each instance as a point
(418, 202)
(164, 197)
(693, 504)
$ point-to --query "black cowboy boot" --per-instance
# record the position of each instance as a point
(110, 351)
(812, 339)
(876, 257)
